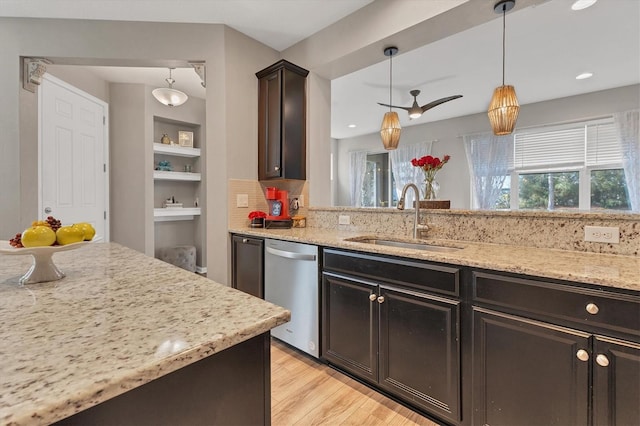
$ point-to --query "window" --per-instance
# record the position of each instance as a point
(576, 166)
(378, 182)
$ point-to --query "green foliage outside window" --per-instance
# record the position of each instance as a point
(549, 190)
(608, 190)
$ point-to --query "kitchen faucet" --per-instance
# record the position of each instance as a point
(417, 206)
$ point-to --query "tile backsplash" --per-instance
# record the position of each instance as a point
(237, 216)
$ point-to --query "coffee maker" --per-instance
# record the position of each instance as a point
(278, 215)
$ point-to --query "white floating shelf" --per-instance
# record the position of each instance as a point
(164, 215)
(179, 151)
(162, 175)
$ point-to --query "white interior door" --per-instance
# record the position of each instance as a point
(73, 156)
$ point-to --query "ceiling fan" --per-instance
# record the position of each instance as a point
(416, 110)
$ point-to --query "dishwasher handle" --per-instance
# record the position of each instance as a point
(290, 255)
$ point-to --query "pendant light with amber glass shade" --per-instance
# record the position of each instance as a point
(504, 107)
(390, 129)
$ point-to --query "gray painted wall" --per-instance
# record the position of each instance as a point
(231, 58)
(454, 177)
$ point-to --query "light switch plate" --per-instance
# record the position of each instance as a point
(602, 234)
(242, 200)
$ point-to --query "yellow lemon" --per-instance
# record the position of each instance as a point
(88, 230)
(38, 236)
(69, 235)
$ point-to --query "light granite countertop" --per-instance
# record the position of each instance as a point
(615, 271)
(118, 320)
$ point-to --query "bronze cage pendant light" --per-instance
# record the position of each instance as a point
(390, 129)
(504, 107)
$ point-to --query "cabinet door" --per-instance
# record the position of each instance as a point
(247, 265)
(350, 325)
(616, 382)
(270, 126)
(420, 350)
(528, 373)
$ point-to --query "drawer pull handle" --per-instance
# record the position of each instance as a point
(582, 355)
(381, 299)
(602, 360)
(373, 297)
(592, 308)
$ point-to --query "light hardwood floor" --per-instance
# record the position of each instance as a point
(306, 392)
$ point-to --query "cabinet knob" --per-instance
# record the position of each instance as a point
(592, 308)
(245, 240)
(582, 355)
(276, 168)
(372, 297)
(602, 360)
(381, 299)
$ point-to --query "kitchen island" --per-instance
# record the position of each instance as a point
(126, 336)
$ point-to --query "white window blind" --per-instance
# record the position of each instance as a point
(552, 148)
(603, 146)
(592, 144)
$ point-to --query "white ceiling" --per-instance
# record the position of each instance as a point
(276, 23)
(547, 46)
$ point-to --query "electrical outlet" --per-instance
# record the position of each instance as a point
(344, 219)
(301, 200)
(242, 200)
(602, 234)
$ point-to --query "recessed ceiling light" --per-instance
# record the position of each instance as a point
(351, 126)
(582, 4)
(584, 75)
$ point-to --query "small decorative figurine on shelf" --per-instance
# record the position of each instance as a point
(166, 139)
(164, 166)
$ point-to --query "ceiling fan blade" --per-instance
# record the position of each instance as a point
(439, 101)
(394, 106)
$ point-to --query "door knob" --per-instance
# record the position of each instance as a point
(602, 360)
(372, 297)
(582, 355)
(47, 210)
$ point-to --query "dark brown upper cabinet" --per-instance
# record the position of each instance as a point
(282, 122)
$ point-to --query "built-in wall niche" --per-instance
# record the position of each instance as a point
(171, 127)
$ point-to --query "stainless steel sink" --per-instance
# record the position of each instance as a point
(403, 244)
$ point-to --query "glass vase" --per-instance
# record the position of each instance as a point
(431, 188)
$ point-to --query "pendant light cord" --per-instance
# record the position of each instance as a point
(504, 26)
(390, 79)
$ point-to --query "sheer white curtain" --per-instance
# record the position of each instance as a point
(628, 130)
(403, 171)
(488, 157)
(357, 172)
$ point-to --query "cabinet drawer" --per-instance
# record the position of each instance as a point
(441, 279)
(597, 308)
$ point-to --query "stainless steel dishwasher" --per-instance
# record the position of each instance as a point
(291, 281)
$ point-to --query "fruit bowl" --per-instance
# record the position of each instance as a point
(43, 269)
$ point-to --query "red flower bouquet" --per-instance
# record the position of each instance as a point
(430, 166)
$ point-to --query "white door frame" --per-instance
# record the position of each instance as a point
(105, 129)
